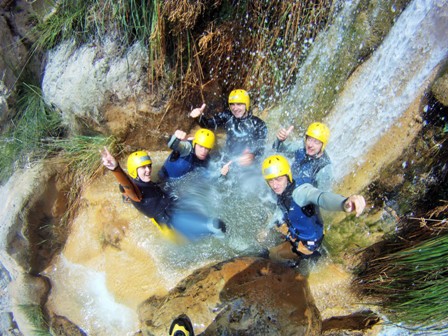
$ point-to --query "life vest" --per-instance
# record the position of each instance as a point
(304, 223)
(305, 168)
(177, 166)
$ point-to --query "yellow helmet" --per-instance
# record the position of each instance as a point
(275, 166)
(136, 160)
(320, 132)
(205, 138)
(239, 96)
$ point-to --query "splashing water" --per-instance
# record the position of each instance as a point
(90, 273)
(103, 288)
(83, 295)
(243, 202)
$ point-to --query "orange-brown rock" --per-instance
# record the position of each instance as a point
(250, 296)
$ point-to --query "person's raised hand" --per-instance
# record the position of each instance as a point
(355, 203)
(283, 133)
(108, 160)
(181, 135)
(225, 169)
(197, 111)
(246, 158)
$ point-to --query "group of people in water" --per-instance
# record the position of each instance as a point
(301, 188)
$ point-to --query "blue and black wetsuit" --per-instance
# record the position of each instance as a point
(178, 164)
(298, 207)
(316, 170)
(304, 222)
(305, 168)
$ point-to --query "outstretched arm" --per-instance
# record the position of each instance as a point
(282, 135)
(178, 143)
(211, 123)
(108, 160)
(307, 194)
(129, 188)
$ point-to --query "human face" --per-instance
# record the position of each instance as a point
(278, 184)
(313, 146)
(144, 173)
(238, 110)
(201, 152)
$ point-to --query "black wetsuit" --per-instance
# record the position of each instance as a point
(155, 202)
(248, 132)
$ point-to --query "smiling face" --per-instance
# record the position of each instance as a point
(313, 146)
(238, 110)
(144, 173)
(278, 184)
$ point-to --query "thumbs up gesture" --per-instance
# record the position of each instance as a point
(283, 133)
(197, 111)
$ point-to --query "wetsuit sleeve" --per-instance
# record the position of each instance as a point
(183, 147)
(130, 189)
(282, 147)
(307, 194)
(216, 121)
(324, 178)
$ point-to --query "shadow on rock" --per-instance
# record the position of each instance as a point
(244, 296)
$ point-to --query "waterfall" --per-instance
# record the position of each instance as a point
(379, 91)
(107, 283)
(388, 83)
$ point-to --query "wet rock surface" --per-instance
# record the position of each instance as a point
(61, 326)
(244, 296)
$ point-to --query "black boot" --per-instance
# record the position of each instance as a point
(181, 326)
(219, 224)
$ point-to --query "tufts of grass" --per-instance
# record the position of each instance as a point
(80, 152)
(80, 155)
(129, 21)
(36, 318)
(414, 280)
(408, 273)
(67, 21)
(21, 144)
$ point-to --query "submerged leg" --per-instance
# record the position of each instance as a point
(194, 226)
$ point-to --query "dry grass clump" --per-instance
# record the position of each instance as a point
(183, 14)
(80, 155)
(256, 45)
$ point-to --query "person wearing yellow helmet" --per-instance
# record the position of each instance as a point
(245, 133)
(297, 213)
(187, 154)
(150, 199)
(311, 163)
